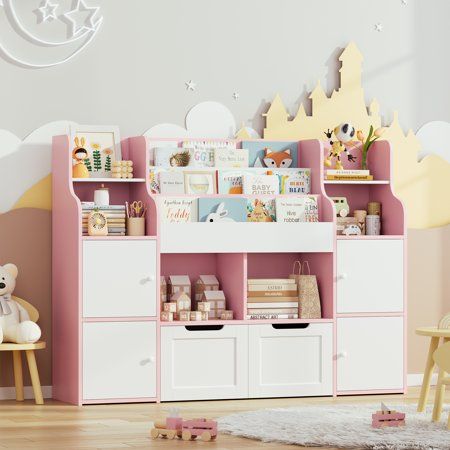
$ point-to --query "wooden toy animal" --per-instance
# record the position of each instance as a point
(344, 134)
(281, 159)
(387, 418)
(79, 154)
(205, 429)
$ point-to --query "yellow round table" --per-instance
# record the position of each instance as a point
(435, 334)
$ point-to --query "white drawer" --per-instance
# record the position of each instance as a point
(370, 353)
(119, 360)
(198, 363)
(370, 276)
(288, 362)
(119, 278)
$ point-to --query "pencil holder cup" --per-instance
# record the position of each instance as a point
(135, 226)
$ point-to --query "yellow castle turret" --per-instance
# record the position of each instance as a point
(351, 59)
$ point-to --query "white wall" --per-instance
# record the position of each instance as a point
(133, 73)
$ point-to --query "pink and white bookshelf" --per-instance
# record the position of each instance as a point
(109, 344)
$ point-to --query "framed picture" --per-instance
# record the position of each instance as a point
(200, 182)
(102, 144)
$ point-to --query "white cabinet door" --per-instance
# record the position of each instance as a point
(370, 353)
(204, 364)
(290, 362)
(119, 278)
(369, 276)
(119, 360)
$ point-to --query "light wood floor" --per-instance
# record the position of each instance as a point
(59, 426)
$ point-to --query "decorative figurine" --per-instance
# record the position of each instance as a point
(344, 134)
(79, 154)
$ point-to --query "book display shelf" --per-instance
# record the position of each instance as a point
(110, 345)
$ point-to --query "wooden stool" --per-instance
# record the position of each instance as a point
(435, 334)
(29, 352)
(442, 358)
(34, 374)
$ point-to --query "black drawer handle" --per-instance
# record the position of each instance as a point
(203, 327)
(289, 326)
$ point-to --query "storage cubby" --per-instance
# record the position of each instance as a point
(280, 265)
(229, 268)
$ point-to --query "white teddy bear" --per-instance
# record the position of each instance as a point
(15, 323)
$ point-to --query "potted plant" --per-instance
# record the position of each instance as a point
(367, 142)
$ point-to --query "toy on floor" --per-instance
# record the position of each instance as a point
(344, 134)
(174, 425)
(15, 323)
(387, 418)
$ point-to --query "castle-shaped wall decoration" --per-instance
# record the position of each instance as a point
(423, 186)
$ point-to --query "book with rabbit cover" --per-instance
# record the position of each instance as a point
(222, 209)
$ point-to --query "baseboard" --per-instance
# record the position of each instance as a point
(415, 379)
(9, 393)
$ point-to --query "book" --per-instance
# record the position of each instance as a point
(272, 287)
(294, 180)
(256, 184)
(261, 210)
(271, 316)
(171, 182)
(297, 209)
(229, 181)
(271, 280)
(349, 177)
(201, 153)
(347, 172)
(178, 210)
(262, 294)
(280, 310)
(222, 209)
(272, 304)
(226, 157)
(171, 157)
(102, 208)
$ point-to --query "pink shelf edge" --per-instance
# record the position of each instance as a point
(244, 322)
(340, 237)
(118, 238)
(120, 400)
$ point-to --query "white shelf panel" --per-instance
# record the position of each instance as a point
(108, 180)
(237, 237)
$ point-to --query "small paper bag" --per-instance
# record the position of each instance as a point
(308, 291)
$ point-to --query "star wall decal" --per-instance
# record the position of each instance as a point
(236, 95)
(378, 27)
(190, 85)
(81, 18)
(404, 2)
(48, 11)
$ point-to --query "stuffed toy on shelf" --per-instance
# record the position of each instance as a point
(15, 323)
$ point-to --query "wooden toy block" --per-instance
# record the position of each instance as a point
(205, 283)
(182, 300)
(204, 306)
(179, 283)
(195, 315)
(184, 316)
(167, 316)
(163, 290)
(226, 315)
(170, 307)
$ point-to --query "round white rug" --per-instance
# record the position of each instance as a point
(345, 426)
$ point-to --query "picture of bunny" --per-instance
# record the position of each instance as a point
(220, 215)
